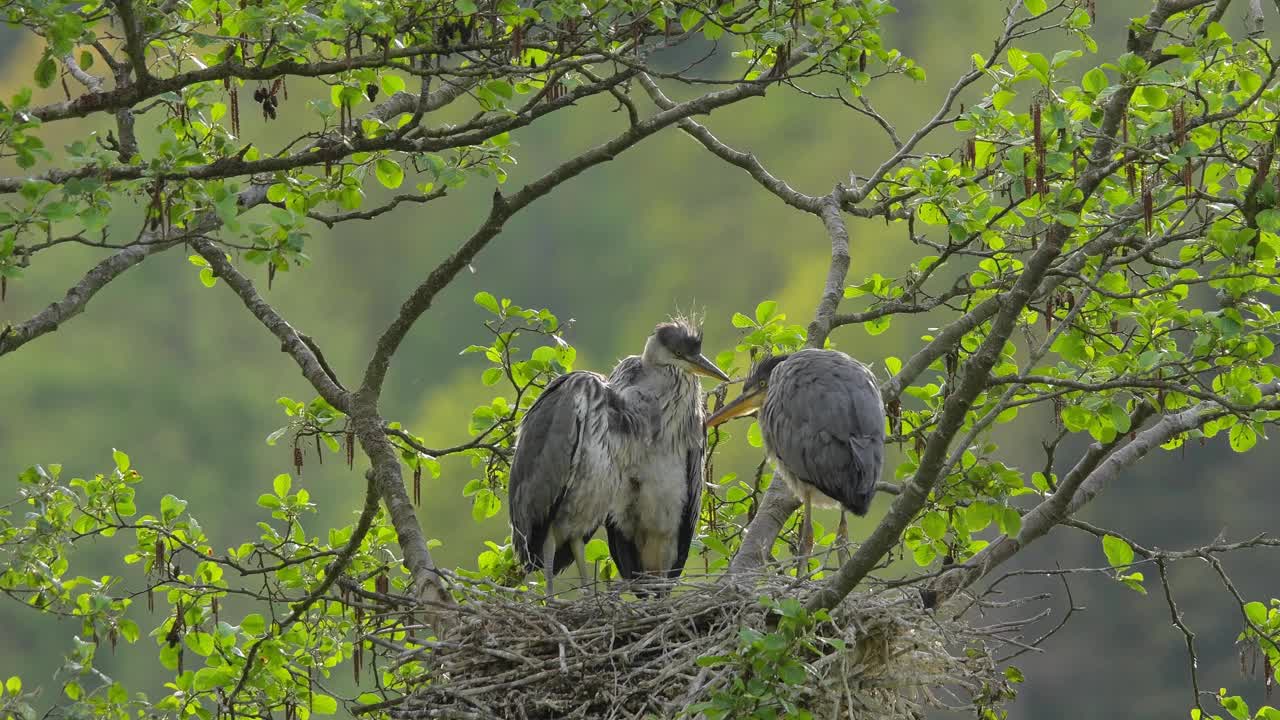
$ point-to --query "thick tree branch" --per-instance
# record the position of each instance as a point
(291, 341)
(503, 207)
(1100, 466)
(79, 295)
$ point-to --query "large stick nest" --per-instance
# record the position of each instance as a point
(509, 655)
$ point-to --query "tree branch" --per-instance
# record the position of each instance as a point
(291, 341)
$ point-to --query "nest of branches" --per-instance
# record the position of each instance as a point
(878, 655)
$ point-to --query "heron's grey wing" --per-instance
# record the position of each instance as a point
(542, 470)
(692, 506)
(824, 420)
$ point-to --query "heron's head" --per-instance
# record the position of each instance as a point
(754, 391)
(678, 344)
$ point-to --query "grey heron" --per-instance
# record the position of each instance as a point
(652, 525)
(582, 437)
(823, 424)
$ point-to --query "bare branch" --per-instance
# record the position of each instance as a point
(746, 161)
(291, 341)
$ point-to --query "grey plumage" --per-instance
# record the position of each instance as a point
(822, 420)
(823, 426)
(627, 448)
(652, 527)
(565, 474)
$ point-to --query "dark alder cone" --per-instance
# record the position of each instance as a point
(351, 449)
(417, 484)
(862, 62)
(894, 408)
(1130, 172)
(271, 278)
(1048, 314)
(1092, 7)
(112, 635)
(260, 94)
(1037, 122)
(1115, 324)
(297, 459)
(381, 584)
(4, 287)
(1148, 205)
(517, 42)
(952, 361)
(160, 560)
(319, 455)
(213, 606)
(151, 600)
(371, 92)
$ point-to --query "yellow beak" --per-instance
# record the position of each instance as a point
(700, 365)
(746, 404)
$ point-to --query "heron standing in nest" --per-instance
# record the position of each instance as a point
(822, 420)
(622, 448)
(653, 524)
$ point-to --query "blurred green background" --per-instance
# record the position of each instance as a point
(180, 376)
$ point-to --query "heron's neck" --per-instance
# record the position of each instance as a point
(653, 351)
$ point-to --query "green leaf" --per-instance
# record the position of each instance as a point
(46, 71)
(485, 505)
(389, 173)
(934, 525)
(1118, 552)
(878, 325)
(392, 84)
(487, 301)
(1269, 220)
(323, 705)
(13, 685)
(765, 310)
(977, 516)
(742, 321)
(1242, 437)
(253, 624)
(281, 484)
(1036, 7)
(596, 550)
(1095, 81)
(1256, 612)
(271, 502)
(171, 507)
(1010, 521)
(755, 438)
(122, 460)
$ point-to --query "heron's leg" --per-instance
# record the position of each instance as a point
(549, 562)
(580, 558)
(806, 530)
(842, 538)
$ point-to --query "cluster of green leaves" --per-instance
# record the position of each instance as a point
(1130, 333)
(205, 48)
(193, 601)
(771, 675)
(1237, 708)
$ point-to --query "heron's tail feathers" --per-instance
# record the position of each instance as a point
(860, 503)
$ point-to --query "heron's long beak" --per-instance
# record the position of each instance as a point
(700, 365)
(745, 404)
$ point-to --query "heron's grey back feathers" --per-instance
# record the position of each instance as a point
(823, 424)
(565, 473)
